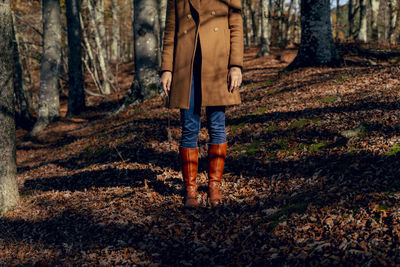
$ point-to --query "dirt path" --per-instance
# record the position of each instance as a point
(312, 177)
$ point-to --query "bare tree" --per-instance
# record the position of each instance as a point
(362, 33)
(392, 5)
(23, 116)
(374, 19)
(265, 29)
(8, 171)
(49, 103)
(76, 94)
(97, 19)
(350, 18)
(147, 56)
(116, 36)
(317, 46)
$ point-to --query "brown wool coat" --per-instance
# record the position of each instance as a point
(220, 30)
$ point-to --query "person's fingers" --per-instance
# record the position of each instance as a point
(232, 84)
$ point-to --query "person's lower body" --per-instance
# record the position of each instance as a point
(190, 119)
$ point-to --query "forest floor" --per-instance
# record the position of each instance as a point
(312, 177)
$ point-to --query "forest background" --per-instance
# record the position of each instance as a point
(312, 172)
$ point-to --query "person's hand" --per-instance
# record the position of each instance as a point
(234, 79)
(165, 80)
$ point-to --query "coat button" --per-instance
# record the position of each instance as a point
(189, 16)
(185, 32)
(216, 29)
(212, 13)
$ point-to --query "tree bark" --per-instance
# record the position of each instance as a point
(76, 94)
(317, 47)
(296, 28)
(49, 103)
(8, 171)
(23, 116)
(147, 49)
(265, 33)
(116, 37)
(374, 19)
(350, 18)
(392, 5)
(249, 25)
(337, 19)
(102, 54)
(288, 21)
(253, 23)
(362, 34)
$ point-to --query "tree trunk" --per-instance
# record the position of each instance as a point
(279, 16)
(337, 19)
(317, 47)
(362, 34)
(288, 21)
(392, 5)
(374, 19)
(49, 103)
(23, 116)
(8, 169)
(147, 50)
(265, 33)
(102, 54)
(296, 28)
(116, 38)
(76, 95)
(253, 23)
(99, 19)
(350, 19)
(249, 25)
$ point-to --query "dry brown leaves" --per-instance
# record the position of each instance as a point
(312, 177)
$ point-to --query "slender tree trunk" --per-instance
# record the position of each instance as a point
(254, 23)
(49, 103)
(362, 34)
(297, 30)
(385, 22)
(90, 58)
(288, 21)
(102, 54)
(392, 5)
(163, 17)
(76, 94)
(147, 50)
(317, 47)
(116, 38)
(249, 24)
(100, 23)
(23, 116)
(265, 33)
(350, 19)
(8, 170)
(374, 19)
(279, 17)
(337, 19)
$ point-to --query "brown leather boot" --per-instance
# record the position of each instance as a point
(189, 161)
(216, 162)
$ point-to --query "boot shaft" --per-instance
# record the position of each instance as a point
(216, 161)
(189, 164)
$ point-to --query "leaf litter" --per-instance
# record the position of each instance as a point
(300, 187)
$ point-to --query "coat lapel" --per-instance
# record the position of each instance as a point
(195, 4)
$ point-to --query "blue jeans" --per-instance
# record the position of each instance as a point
(190, 119)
